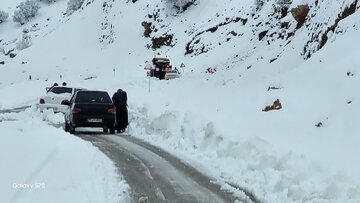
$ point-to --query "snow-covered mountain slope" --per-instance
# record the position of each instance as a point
(304, 152)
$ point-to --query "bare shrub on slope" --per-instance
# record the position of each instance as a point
(26, 11)
(3, 16)
(182, 5)
(74, 5)
(48, 1)
(24, 43)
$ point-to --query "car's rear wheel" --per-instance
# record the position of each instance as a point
(112, 130)
(105, 129)
(71, 129)
(66, 127)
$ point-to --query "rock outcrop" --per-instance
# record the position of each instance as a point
(275, 106)
(299, 13)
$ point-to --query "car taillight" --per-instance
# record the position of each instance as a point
(42, 101)
(76, 110)
(65, 102)
(112, 110)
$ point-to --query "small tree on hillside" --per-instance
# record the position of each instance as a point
(74, 5)
(259, 4)
(48, 1)
(282, 6)
(26, 11)
(3, 16)
(284, 3)
(182, 5)
(24, 42)
(2, 50)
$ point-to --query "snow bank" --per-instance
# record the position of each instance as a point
(41, 163)
(252, 164)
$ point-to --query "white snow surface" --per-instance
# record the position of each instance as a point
(41, 163)
(213, 121)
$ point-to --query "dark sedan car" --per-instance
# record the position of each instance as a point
(90, 109)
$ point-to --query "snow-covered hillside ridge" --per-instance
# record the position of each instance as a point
(244, 30)
(239, 30)
(304, 152)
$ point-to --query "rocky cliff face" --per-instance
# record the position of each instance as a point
(243, 32)
(299, 27)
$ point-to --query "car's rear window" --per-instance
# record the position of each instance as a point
(171, 71)
(92, 97)
(61, 90)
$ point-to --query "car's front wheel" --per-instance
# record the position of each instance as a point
(66, 127)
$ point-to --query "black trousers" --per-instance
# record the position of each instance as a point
(122, 117)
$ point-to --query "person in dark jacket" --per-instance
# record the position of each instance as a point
(120, 101)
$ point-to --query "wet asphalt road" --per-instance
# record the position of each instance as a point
(154, 173)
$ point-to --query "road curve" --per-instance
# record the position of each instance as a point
(154, 173)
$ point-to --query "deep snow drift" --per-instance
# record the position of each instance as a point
(304, 152)
(41, 163)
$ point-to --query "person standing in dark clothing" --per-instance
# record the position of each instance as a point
(120, 101)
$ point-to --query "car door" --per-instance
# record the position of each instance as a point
(68, 112)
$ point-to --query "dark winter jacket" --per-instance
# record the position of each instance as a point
(120, 98)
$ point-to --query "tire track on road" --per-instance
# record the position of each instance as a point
(156, 174)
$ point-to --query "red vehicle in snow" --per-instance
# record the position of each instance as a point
(160, 67)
